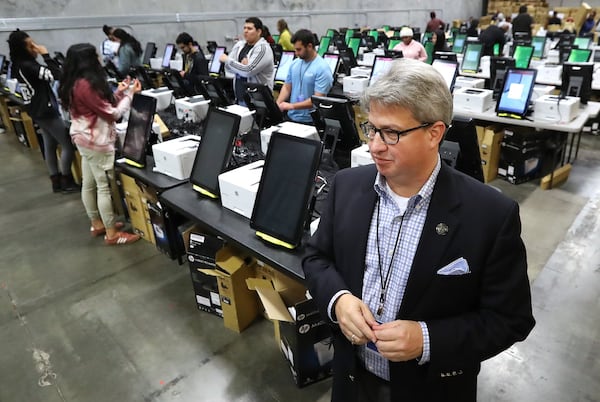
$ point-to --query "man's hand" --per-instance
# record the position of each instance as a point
(399, 340)
(283, 106)
(355, 319)
(223, 58)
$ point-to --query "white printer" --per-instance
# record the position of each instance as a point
(555, 109)
(361, 70)
(355, 84)
(468, 82)
(549, 74)
(175, 158)
(290, 128)
(246, 115)
(239, 186)
(163, 96)
(473, 99)
(192, 108)
(360, 156)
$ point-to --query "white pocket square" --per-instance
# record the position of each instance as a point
(460, 266)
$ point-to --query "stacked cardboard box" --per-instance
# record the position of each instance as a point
(202, 254)
(239, 304)
(137, 197)
(528, 154)
(490, 140)
(303, 337)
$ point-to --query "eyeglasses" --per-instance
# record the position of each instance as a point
(388, 136)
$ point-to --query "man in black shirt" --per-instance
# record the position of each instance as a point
(194, 62)
(554, 20)
(523, 22)
(492, 35)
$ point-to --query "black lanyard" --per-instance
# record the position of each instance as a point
(384, 283)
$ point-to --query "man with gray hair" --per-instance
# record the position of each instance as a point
(419, 268)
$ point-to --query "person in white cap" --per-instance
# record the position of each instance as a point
(411, 49)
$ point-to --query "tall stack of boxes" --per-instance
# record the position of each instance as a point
(230, 284)
(528, 154)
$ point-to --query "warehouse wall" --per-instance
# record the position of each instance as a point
(60, 23)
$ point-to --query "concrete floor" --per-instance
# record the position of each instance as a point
(80, 321)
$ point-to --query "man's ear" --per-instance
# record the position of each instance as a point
(437, 132)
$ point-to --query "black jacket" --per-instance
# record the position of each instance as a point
(35, 80)
(470, 317)
(489, 37)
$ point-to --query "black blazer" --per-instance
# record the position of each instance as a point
(470, 317)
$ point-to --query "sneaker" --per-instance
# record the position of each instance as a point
(121, 238)
(102, 231)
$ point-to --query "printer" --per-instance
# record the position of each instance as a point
(290, 128)
(246, 115)
(553, 108)
(468, 82)
(163, 97)
(239, 186)
(175, 157)
(361, 70)
(355, 84)
(473, 99)
(192, 108)
(360, 156)
(549, 74)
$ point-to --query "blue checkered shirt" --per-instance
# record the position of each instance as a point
(391, 220)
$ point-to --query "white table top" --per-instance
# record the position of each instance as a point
(574, 126)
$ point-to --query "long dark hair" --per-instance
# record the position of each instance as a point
(82, 62)
(125, 38)
(17, 47)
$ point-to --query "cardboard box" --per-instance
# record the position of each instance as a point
(304, 337)
(137, 206)
(239, 304)
(489, 151)
(202, 251)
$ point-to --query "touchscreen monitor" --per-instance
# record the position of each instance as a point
(522, 56)
(498, 66)
(285, 189)
(284, 65)
(139, 127)
(168, 55)
(324, 45)
(349, 35)
(470, 63)
(539, 44)
(516, 93)
(149, 53)
(582, 42)
(448, 69)
(214, 151)
(259, 97)
(354, 44)
(380, 66)
(215, 65)
(332, 61)
(577, 80)
(579, 55)
(393, 42)
(459, 43)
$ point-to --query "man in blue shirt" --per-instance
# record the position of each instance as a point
(309, 75)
